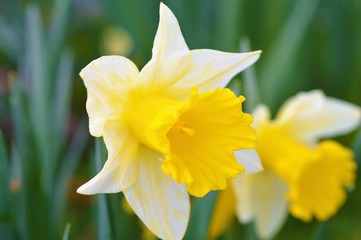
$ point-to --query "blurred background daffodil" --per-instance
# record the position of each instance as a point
(305, 173)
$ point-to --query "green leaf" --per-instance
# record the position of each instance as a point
(21, 153)
(251, 89)
(202, 209)
(321, 230)
(59, 27)
(68, 167)
(40, 93)
(66, 231)
(9, 41)
(61, 102)
(229, 24)
(5, 217)
(103, 220)
(356, 146)
(278, 62)
(37, 64)
(250, 232)
(124, 226)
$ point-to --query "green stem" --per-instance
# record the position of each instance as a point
(321, 230)
(202, 209)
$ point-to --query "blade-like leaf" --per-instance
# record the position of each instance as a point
(5, 218)
(68, 168)
(9, 42)
(58, 30)
(40, 93)
(102, 207)
(66, 231)
(201, 214)
(279, 60)
(229, 25)
(61, 102)
(251, 89)
(357, 147)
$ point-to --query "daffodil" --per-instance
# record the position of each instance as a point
(304, 173)
(169, 129)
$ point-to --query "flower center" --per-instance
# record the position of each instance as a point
(151, 116)
(180, 127)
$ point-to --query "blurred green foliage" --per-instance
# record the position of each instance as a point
(44, 44)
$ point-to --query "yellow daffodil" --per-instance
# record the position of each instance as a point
(169, 128)
(302, 175)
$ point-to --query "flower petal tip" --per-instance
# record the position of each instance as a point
(256, 54)
(164, 9)
(85, 189)
(358, 114)
(251, 57)
(82, 190)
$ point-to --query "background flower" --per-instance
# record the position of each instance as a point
(302, 173)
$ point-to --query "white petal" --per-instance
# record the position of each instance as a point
(121, 169)
(162, 204)
(312, 115)
(205, 69)
(249, 159)
(177, 69)
(106, 79)
(168, 39)
(170, 55)
(211, 69)
(261, 116)
(261, 197)
(272, 211)
(242, 187)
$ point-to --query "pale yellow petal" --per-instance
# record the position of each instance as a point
(204, 69)
(168, 53)
(271, 211)
(159, 202)
(249, 159)
(261, 197)
(261, 116)
(168, 39)
(242, 187)
(174, 69)
(211, 69)
(106, 79)
(311, 116)
(121, 168)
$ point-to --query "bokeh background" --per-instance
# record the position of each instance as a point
(45, 148)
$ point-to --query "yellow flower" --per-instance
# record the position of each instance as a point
(169, 128)
(302, 175)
